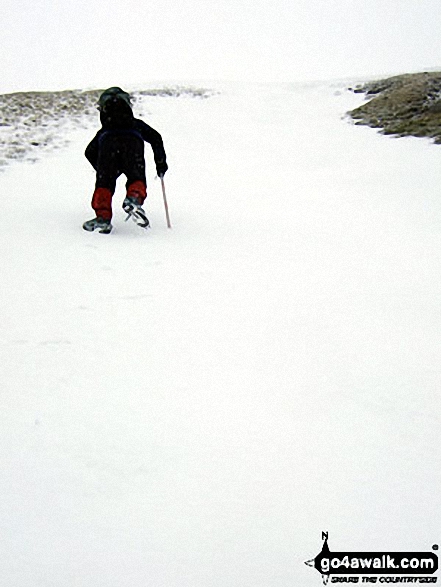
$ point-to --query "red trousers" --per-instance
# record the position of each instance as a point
(102, 198)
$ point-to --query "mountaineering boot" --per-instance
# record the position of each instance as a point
(101, 224)
(133, 209)
(132, 205)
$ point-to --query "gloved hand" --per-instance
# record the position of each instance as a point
(161, 168)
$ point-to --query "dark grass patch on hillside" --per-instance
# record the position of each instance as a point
(32, 123)
(403, 105)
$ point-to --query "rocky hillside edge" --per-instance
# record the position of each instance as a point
(32, 123)
(403, 105)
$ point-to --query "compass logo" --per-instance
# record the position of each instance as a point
(373, 567)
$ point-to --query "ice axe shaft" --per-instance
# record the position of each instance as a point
(161, 177)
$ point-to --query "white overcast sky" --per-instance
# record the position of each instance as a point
(56, 44)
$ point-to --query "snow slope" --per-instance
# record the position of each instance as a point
(192, 407)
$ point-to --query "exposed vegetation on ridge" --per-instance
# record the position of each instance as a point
(34, 122)
(403, 105)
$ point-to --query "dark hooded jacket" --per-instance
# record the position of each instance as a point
(117, 118)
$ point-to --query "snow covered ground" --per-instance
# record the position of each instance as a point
(192, 407)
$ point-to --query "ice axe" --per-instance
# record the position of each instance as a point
(167, 216)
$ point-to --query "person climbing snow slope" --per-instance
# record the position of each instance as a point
(116, 149)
